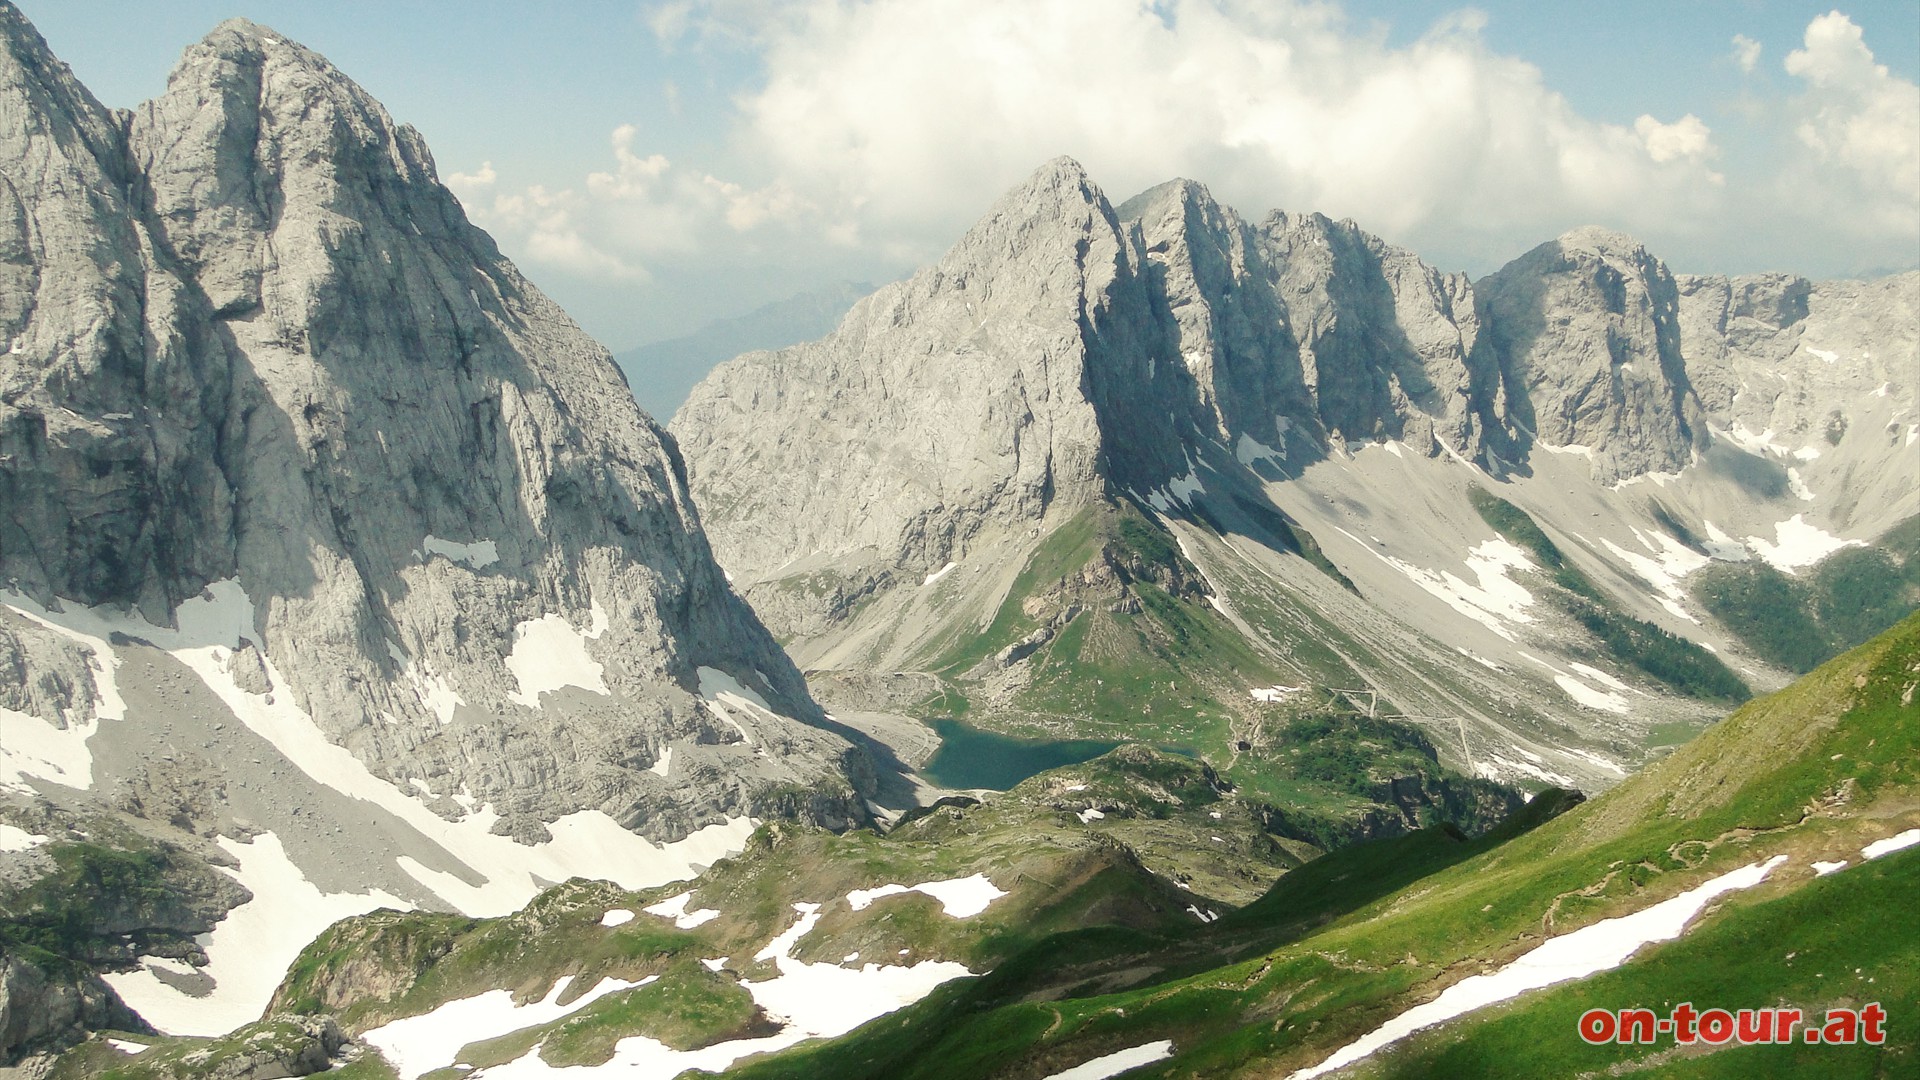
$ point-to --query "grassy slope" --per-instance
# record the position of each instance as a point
(1821, 768)
(1848, 946)
(1175, 672)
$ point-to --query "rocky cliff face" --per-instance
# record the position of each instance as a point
(251, 338)
(1821, 380)
(1065, 347)
(1586, 332)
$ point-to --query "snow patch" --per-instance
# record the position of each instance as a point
(548, 653)
(30, 746)
(1248, 451)
(1111, 1065)
(938, 574)
(616, 917)
(1272, 694)
(1891, 844)
(435, 692)
(1723, 547)
(12, 839)
(418, 1045)
(1797, 543)
(675, 908)
(1604, 700)
(1494, 602)
(1671, 561)
(1090, 815)
(960, 897)
(1822, 869)
(128, 1046)
(478, 555)
(1600, 947)
(248, 951)
(1599, 676)
(661, 767)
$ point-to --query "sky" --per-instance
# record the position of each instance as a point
(655, 166)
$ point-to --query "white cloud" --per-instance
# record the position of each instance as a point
(1685, 138)
(621, 220)
(914, 111)
(1746, 52)
(1855, 112)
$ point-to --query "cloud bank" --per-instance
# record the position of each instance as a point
(886, 126)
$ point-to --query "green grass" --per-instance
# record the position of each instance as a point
(688, 1007)
(1849, 944)
(1344, 942)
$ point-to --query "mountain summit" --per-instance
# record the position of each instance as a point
(325, 524)
(1163, 446)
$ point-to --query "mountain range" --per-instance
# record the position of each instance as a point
(382, 689)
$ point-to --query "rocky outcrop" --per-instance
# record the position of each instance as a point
(249, 337)
(45, 1008)
(1586, 333)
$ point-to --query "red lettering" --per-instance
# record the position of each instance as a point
(1784, 1021)
(1683, 1018)
(1597, 1026)
(1638, 1026)
(1716, 1026)
(1756, 1026)
(1873, 1016)
(1842, 1027)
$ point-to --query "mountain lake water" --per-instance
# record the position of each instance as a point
(971, 758)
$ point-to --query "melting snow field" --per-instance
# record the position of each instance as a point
(1671, 561)
(478, 555)
(421, 1044)
(548, 653)
(1798, 543)
(810, 1000)
(961, 898)
(30, 746)
(1604, 700)
(1101, 1068)
(675, 908)
(250, 949)
(12, 839)
(1590, 949)
(584, 844)
(1495, 602)
(1891, 844)
(938, 574)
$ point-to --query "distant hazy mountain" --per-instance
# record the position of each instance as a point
(663, 372)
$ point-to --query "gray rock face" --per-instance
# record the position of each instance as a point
(1586, 331)
(249, 336)
(1065, 349)
(44, 1011)
(1303, 333)
(941, 402)
(1822, 376)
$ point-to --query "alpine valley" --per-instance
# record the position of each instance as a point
(1145, 641)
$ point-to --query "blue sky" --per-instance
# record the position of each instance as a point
(657, 165)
